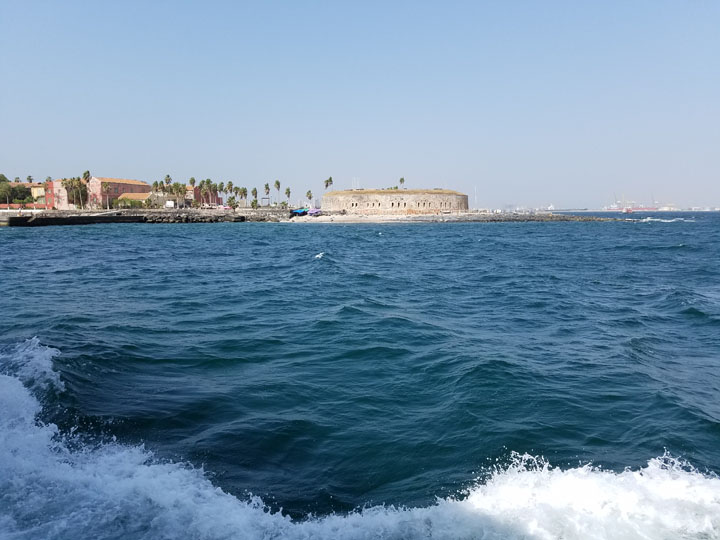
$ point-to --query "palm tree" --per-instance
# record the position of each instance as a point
(79, 185)
(287, 194)
(73, 186)
(243, 194)
(86, 176)
(328, 182)
(267, 191)
(253, 192)
(105, 188)
(277, 187)
(309, 195)
(30, 179)
(201, 189)
(155, 186)
(229, 187)
(48, 188)
(402, 181)
(168, 180)
(67, 185)
(179, 190)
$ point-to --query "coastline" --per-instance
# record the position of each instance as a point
(273, 215)
(470, 217)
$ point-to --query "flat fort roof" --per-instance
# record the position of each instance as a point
(395, 192)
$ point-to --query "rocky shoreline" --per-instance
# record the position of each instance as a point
(269, 215)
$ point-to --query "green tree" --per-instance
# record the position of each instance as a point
(402, 181)
(192, 182)
(155, 185)
(229, 187)
(277, 187)
(266, 189)
(254, 204)
(6, 193)
(29, 179)
(3, 178)
(287, 194)
(167, 180)
(86, 176)
(328, 182)
(253, 192)
(309, 195)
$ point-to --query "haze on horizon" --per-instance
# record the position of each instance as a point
(531, 104)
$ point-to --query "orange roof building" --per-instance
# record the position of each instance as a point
(114, 189)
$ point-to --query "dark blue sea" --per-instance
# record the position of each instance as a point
(399, 381)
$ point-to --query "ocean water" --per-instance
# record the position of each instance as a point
(241, 380)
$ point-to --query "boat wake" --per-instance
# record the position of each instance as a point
(54, 486)
(660, 220)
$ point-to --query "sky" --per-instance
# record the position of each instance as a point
(513, 102)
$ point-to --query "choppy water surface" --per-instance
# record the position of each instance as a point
(506, 380)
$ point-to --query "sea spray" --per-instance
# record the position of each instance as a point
(52, 489)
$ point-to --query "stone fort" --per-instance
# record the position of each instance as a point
(395, 201)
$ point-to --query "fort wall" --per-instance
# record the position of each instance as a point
(395, 201)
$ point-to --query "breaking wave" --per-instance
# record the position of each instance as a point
(54, 486)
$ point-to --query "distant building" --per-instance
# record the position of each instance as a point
(194, 194)
(133, 199)
(97, 198)
(37, 191)
(56, 195)
(395, 201)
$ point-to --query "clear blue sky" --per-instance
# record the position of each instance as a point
(529, 102)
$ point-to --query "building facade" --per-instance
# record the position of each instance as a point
(56, 196)
(395, 201)
(99, 198)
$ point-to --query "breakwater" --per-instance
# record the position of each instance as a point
(135, 216)
(263, 215)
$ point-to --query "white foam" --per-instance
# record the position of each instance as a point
(320, 255)
(52, 486)
(660, 220)
(31, 362)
